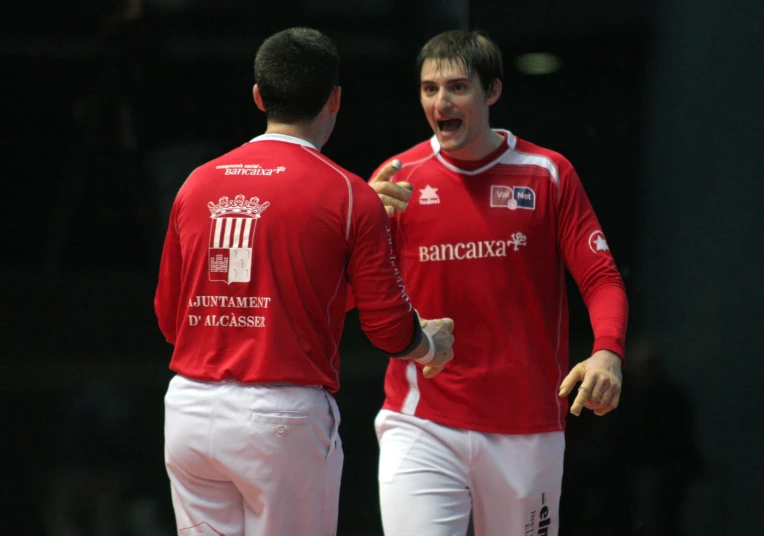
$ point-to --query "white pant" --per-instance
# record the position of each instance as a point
(430, 476)
(251, 460)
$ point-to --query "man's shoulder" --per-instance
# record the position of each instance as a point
(225, 159)
(418, 153)
(526, 147)
(332, 167)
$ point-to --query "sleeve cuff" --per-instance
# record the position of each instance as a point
(416, 339)
(612, 344)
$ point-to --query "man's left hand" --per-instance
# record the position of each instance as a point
(601, 380)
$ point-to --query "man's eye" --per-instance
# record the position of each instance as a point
(459, 87)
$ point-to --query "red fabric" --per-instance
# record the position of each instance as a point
(499, 272)
(263, 299)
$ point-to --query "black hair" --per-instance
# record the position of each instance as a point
(473, 50)
(296, 70)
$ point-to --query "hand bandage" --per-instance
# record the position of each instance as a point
(430, 355)
(600, 389)
(439, 333)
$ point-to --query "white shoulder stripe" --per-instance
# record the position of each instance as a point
(517, 158)
(415, 162)
(326, 161)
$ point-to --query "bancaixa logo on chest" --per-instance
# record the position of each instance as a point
(513, 197)
(232, 230)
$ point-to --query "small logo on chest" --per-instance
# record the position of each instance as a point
(429, 196)
(513, 197)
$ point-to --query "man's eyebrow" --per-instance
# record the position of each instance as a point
(449, 81)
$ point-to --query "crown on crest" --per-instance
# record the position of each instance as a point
(238, 205)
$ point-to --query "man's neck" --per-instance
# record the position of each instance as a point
(308, 132)
(479, 148)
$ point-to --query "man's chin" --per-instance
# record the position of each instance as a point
(450, 145)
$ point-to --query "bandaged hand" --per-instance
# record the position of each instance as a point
(440, 332)
(601, 380)
(394, 196)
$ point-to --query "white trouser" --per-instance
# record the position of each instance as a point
(430, 476)
(251, 460)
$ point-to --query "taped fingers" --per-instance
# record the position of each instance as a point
(445, 323)
(583, 395)
(601, 371)
(578, 404)
(616, 399)
(573, 377)
(438, 364)
(609, 395)
(429, 371)
(601, 387)
(440, 331)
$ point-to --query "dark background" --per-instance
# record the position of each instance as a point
(657, 104)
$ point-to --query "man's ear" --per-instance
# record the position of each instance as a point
(494, 92)
(334, 100)
(258, 98)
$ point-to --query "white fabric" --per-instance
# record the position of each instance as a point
(430, 355)
(252, 459)
(430, 476)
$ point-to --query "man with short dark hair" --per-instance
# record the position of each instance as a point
(484, 226)
(261, 245)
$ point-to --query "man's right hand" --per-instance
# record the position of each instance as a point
(440, 331)
(394, 196)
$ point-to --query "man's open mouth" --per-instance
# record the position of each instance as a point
(449, 125)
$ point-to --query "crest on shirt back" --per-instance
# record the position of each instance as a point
(513, 197)
(232, 230)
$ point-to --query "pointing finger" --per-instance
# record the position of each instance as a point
(392, 189)
(571, 380)
(392, 202)
(386, 173)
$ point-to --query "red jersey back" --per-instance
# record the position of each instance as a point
(487, 244)
(261, 245)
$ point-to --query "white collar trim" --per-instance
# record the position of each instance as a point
(511, 141)
(284, 138)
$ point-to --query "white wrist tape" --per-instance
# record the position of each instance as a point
(430, 355)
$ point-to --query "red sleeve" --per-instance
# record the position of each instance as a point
(385, 312)
(588, 258)
(168, 287)
(350, 302)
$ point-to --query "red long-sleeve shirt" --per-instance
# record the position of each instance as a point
(260, 248)
(487, 243)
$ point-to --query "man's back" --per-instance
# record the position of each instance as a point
(265, 234)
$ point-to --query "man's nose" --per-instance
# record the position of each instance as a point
(442, 102)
